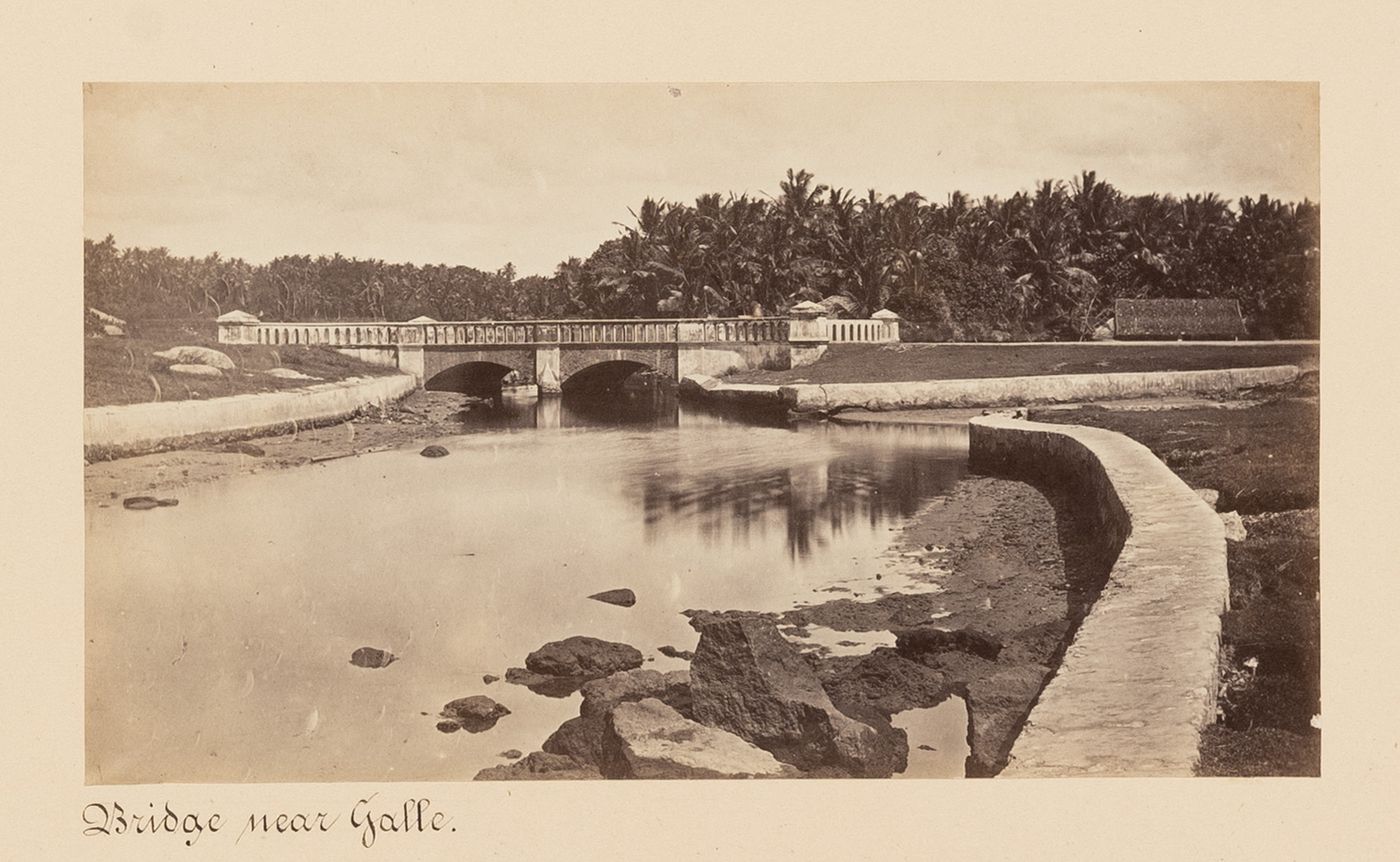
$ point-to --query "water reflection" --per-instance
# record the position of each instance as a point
(871, 475)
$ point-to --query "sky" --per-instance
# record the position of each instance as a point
(531, 174)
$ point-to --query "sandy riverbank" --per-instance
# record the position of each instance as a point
(422, 416)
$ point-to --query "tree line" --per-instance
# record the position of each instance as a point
(1048, 262)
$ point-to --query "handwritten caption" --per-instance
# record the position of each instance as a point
(368, 819)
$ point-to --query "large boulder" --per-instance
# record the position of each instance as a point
(581, 738)
(748, 680)
(601, 695)
(649, 739)
(191, 355)
(583, 657)
(196, 370)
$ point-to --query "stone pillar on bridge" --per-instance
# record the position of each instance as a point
(547, 370)
(237, 327)
(891, 321)
(808, 333)
(411, 352)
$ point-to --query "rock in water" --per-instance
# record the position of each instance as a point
(649, 739)
(489, 678)
(582, 738)
(622, 598)
(748, 680)
(511, 754)
(928, 638)
(671, 652)
(433, 452)
(547, 686)
(190, 355)
(583, 657)
(474, 714)
(368, 656)
(139, 503)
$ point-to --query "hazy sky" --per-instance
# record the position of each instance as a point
(533, 174)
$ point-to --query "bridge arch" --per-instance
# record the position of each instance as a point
(479, 378)
(601, 376)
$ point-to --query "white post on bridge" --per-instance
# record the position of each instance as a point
(891, 324)
(237, 327)
(808, 333)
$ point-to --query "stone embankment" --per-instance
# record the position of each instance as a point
(131, 429)
(815, 398)
(1137, 685)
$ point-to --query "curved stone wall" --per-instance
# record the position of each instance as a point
(1137, 684)
(129, 429)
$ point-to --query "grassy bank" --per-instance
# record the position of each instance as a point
(1263, 460)
(122, 370)
(890, 363)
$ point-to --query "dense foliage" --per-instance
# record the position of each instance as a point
(1045, 262)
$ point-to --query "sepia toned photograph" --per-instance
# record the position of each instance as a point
(453, 432)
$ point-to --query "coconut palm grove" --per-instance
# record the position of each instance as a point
(1046, 263)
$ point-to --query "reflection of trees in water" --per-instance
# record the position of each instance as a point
(816, 501)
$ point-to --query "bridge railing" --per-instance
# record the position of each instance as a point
(242, 328)
(492, 333)
(860, 332)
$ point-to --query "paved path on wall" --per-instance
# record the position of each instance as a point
(1137, 685)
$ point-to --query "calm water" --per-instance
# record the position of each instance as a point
(220, 630)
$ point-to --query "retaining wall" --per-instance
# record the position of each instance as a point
(1016, 391)
(132, 428)
(1138, 682)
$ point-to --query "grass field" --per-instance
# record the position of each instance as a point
(122, 370)
(888, 363)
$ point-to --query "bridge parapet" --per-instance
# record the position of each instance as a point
(243, 328)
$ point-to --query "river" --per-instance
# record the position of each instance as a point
(220, 630)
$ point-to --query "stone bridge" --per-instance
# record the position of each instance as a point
(475, 357)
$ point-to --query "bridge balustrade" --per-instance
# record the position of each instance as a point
(540, 332)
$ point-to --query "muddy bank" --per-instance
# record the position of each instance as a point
(1017, 577)
(421, 416)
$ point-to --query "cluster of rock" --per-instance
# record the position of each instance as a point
(208, 362)
(750, 706)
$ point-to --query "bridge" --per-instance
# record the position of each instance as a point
(558, 356)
